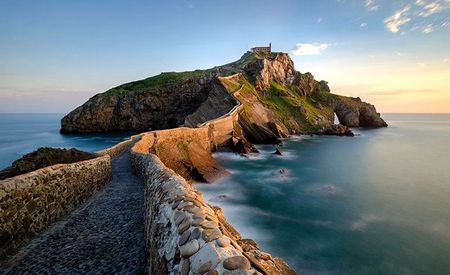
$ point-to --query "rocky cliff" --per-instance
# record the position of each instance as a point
(277, 99)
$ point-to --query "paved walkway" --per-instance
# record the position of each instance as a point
(104, 235)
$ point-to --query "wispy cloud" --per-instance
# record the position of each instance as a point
(309, 49)
(319, 20)
(363, 25)
(423, 27)
(371, 5)
(420, 13)
(428, 28)
(429, 8)
(399, 18)
(420, 3)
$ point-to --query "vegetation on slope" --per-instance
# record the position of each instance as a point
(157, 80)
(296, 112)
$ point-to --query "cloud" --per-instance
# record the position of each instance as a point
(319, 20)
(420, 3)
(309, 49)
(363, 25)
(399, 18)
(428, 28)
(371, 5)
(424, 28)
(445, 60)
(419, 14)
(430, 9)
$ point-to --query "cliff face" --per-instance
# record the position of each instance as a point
(277, 99)
(136, 107)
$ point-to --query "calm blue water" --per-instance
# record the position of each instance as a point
(23, 133)
(378, 203)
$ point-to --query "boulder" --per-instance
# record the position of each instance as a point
(337, 130)
(277, 152)
(43, 157)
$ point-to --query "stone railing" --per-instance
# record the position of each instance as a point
(30, 202)
(183, 235)
(117, 149)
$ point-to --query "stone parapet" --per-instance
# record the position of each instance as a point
(30, 202)
(117, 149)
(183, 233)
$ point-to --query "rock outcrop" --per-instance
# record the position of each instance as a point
(44, 157)
(273, 67)
(337, 130)
(187, 151)
(353, 112)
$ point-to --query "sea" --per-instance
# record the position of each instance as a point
(23, 133)
(376, 203)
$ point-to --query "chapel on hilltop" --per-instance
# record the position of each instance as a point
(262, 49)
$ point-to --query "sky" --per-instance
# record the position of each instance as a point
(54, 55)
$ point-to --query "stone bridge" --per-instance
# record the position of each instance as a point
(156, 223)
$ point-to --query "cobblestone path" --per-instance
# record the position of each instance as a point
(105, 235)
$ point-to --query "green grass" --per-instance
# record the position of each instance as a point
(294, 110)
(323, 96)
(231, 85)
(158, 80)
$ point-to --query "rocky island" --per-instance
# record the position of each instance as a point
(182, 118)
(277, 99)
(274, 101)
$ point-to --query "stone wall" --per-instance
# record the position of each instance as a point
(183, 235)
(31, 202)
(222, 130)
(115, 150)
(188, 150)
